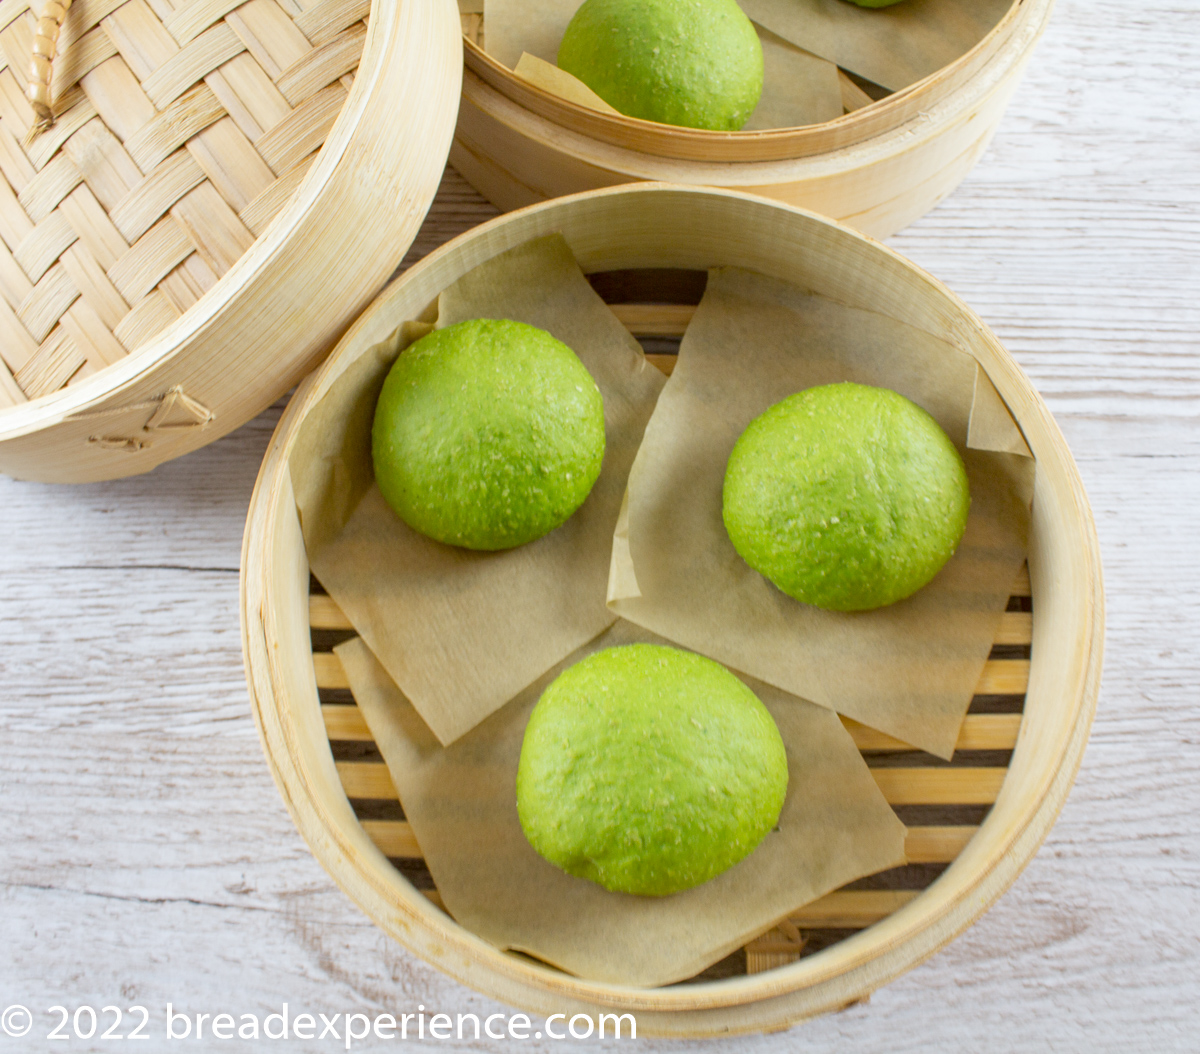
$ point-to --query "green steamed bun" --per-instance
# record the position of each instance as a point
(845, 496)
(696, 63)
(649, 770)
(487, 434)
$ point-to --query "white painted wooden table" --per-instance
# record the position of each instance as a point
(147, 857)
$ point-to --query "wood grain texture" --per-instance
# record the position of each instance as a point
(148, 856)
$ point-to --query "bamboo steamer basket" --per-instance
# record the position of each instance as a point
(878, 168)
(225, 186)
(984, 816)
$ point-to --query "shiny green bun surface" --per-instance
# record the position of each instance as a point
(649, 770)
(487, 434)
(846, 496)
(696, 63)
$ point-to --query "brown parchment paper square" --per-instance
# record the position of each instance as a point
(462, 632)
(892, 46)
(549, 77)
(799, 88)
(909, 669)
(461, 802)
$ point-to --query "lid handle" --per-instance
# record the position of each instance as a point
(41, 69)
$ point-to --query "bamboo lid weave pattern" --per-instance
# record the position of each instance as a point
(181, 129)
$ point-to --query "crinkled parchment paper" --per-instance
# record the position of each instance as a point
(909, 669)
(892, 46)
(461, 803)
(798, 87)
(463, 632)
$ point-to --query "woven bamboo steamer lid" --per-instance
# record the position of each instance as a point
(215, 190)
(297, 686)
(878, 168)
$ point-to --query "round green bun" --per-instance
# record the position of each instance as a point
(696, 63)
(845, 496)
(487, 434)
(649, 770)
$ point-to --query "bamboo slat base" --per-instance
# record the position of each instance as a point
(973, 822)
(972, 779)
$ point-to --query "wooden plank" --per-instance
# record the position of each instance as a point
(654, 320)
(323, 613)
(329, 671)
(393, 837)
(1016, 627)
(940, 786)
(367, 779)
(936, 845)
(1004, 677)
(923, 845)
(851, 909)
(1000, 676)
(344, 722)
(665, 364)
(978, 732)
(900, 786)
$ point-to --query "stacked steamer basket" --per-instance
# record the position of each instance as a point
(223, 187)
(878, 167)
(972, 824)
